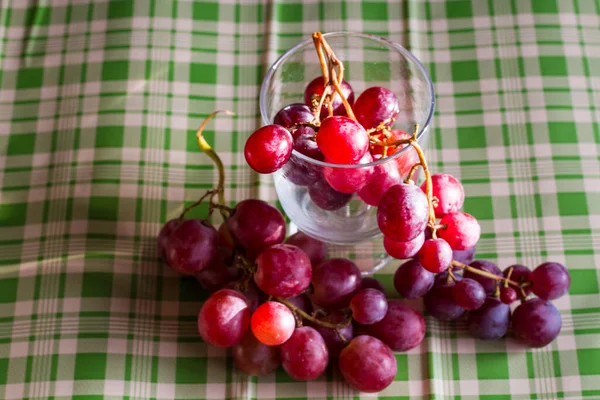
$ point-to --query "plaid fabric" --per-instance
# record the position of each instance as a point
(99, 101)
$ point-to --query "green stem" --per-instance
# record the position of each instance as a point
(309, 317)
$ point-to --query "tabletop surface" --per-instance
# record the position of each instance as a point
(99, 102)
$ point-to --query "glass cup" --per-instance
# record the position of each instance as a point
(344, 220)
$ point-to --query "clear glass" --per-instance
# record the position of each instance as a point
(345, 219)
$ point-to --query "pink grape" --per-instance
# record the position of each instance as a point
(192, 246)
(272, 323)
(536, 322)
(304, 356)
(334, 283)
(440, 303)
(508, 295)
(333, 341)
(520, 274)
(550, 280)
(403, 212)
(469, 294)
(219, 272)
(461, 230)
(372, 283)
(376, 105)
(488, 284)
(435, 255)
(283, 270)
(403, 250)
(293, 114)
(314, 90)
(224, 318)
(412, 281)
(368, 364)
(402, 328)
(368, 306)
(314, 249)
(255, 358)
(383, 177)
(342, 140)
(163, 237)
(490, 321)
(327, 198)
(449, 192)
(268, 148)
(349, 180)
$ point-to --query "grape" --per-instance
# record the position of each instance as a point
(536, 322)
(406, 160)
(439, 301)
(376, 105)
(192, 246)
(403, 250)
(449, 192)
(489, 284)
(520, 274)
(314, 249)
(349, 180)
(326, 198)
(250, 292)
(163, 237)
(461, 230)
(283, 270)
(224, 318)
(368, 306)
(469, 294)
(293, 114)
(402, 328)
(490, 321)
(302, 301)
(306, 144)
(255, 358)
(435, 255)
(268, 148)
(272, 323)
(412, 281)
(334, 283)
(256, 225)
(368, 364)
(342, 140)
(383, 177)
(508, 295)
(403, 212)
(332, 339)
(372, 283)
(314, 91)
(304, 356)
(225, 239)
(550, 280)
(299, 171)
(464, 256)
(219, 272)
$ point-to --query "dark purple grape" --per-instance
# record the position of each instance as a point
(293, 114)
(469, 294)
(508, 295)
(550, 280)
(299, 171)
(520, 274)
(536, 322)
(303, 302)
(368, 364)
(304, 356)
(192, 246)
(332, 339)
(464, 256)
(225, 239)
(306, 144)
(283, 270)
(490, 321)
(314, 249)
(402, 328)
(315, 89)
(368, 306)
(219, 272)
(372, 283)
(255, 358)
(334, 283)
(224, 318)
(412, 281)
(326, 198)
(376, 105)
(403, 212)
(163, 237)
(440, 303)
(488, 284)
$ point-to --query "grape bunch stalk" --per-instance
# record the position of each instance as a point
(282, 302)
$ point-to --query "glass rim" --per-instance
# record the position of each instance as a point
(407, 54)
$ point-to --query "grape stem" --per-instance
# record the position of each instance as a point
(196, 204)
(312, 319)
(484, 273)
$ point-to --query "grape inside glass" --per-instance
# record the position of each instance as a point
(306, 187)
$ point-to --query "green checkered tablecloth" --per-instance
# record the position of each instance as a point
(99, 101)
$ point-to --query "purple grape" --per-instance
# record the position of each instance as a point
(302, 301)
(440, 303)
(315, 249)
(464, 256)
(372, 283)
(332, 339)
(192, 246)
(219, 272)
(403, 212)
(402, 328)
(412, 281)
(469, 294)
(326, 198)
(536, 322)
(488, 284)
(252, 294)
(304, 355)
(224, 318)
(255, 358)
(508, 295)
(550, 280)
(520, 274)
(283, 270)
(368, 306)
(299, 171)
(334, 283)
(163, 237)
(293, 114)
(490, 321)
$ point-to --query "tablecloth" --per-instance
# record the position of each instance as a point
(99, 101)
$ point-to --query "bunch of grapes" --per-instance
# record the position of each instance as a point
(282, 302)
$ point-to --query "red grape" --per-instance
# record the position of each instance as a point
(225, 239)
(268, 148)
(342, 140)
(368, 306)
(224, 318)
(219, 272)
(488, 284)
(332, 339)
(536, 322)
(293, 114)
(508, 295)
(464, 256)
(349, 180)
(314, 249)
(368, 364)
(469, 294)
(412, 281)
(439, 301)
(251, 293)
(449, 192)
(383, 177)
(435, 255)
(372, 283)
(304, 356)
(550, 280)
(326, 198)
(191, 247)
(376, 105)
(520, 274)
(163, 237)
(314, 90)
(402, 328)
(283, 270)
(334, 283)
(256, 225)
(461, 230)
(272, 323)
(403, 250)
(490, 321)
(255, 358)
(403, 212)
(406, 160)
